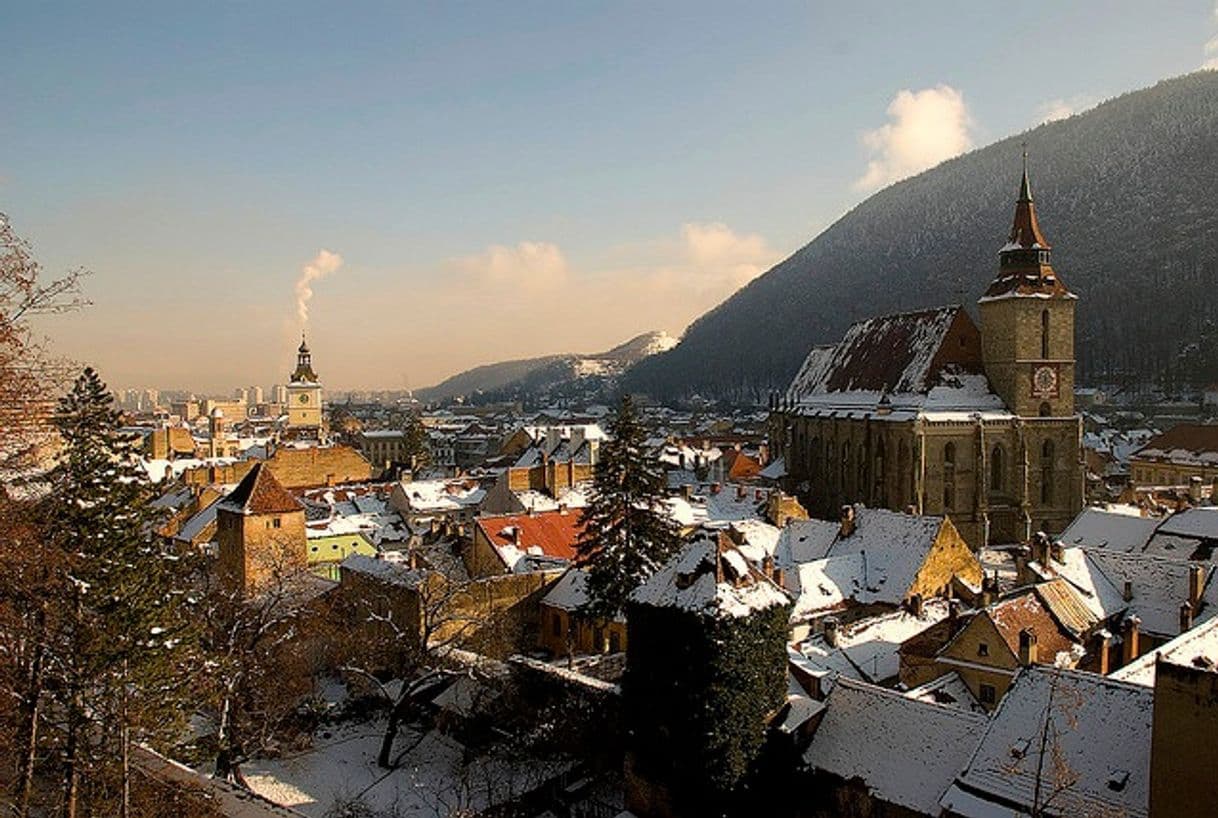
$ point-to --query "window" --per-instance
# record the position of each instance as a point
(998, 468)
(987, 694)
(275, 523)
(983, 649)
(1046, 411)
(556, 625)
(1046, 472)
(1044, 334)
(949, 476)
(615, 642)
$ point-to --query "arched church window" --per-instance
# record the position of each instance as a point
(1046, 410)
(998, 467)
(1046, 472)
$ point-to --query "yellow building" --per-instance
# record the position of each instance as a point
(327, 551)
(304, 395)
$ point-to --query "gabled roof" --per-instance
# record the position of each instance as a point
(260, 493)
(710, 577)
(1106, 529)
(1184, 443)
(1027, 611)
(547, 534)
(906, 752)
(1099, 727)
(890, 353)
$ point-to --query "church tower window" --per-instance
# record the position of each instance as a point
(1044, 333)
(949, 476)
(997, 468)
(1046, 472)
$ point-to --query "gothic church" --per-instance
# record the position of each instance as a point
(926, 411)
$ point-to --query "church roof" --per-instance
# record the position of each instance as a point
(260, 493)
(898, 363)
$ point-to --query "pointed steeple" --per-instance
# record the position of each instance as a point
(1025, 230)
(304, 364)
(1023, 262)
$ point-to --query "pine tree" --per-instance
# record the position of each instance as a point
(117, 658)
(626, 533)
(417, 447)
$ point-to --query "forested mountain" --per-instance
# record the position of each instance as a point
(570, 376)
(1127, 194)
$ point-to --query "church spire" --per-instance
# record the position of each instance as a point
(1025, 230)
(304, 364)
(1024, 267)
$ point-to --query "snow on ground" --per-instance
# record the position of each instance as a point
(432, 779)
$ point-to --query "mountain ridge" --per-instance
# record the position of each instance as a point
(1123, 188)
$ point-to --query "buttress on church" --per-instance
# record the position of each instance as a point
(928, 412)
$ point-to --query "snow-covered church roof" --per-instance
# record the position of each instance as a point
(897, 366)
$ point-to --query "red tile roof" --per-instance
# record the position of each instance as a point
(1010, 616)
(553, 532)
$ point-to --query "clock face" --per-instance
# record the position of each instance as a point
(1044, 382)
(304, 398)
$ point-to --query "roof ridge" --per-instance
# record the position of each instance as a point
(896, 695)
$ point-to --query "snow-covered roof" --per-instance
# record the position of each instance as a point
(1197, 647)
(949, 690)
(869, 650)
(877, 562)
(1098, 725)
(690, 582)
(1106, 529)
(431, 496)
(386, 571)
(898, 367)
(1159, 585)
(907, 752)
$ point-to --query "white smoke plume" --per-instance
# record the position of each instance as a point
(321, 266)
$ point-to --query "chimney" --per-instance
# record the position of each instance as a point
(715, 488)
(758, 495)
(767, 566)
(515, 535)
(686, 491)
(1058, 551)
(1194, 490)
(915, 605)
(847, 521)
(562, 508)
(1186, 617)
(721, 544)
(1130, 636)
(434, 526)
(953, 616)
(831, 631)
(1027, 647)
(1102, 639)
(553, 438)
(1127, 591)
(988, 588)
(1196, 584)
(741, 492)
(911, 510)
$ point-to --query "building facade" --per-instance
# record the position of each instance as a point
(932, 413)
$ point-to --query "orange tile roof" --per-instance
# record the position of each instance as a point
(1010, 616)
(553, 532)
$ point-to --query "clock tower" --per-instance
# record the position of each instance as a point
(304, 393)
(1027, 321)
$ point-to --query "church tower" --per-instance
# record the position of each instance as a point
(1027, 321)
(304, 393)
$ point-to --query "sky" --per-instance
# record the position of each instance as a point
(425, 187)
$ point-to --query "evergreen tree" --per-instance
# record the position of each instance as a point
(417, 447)
(627, 533)
(117, 658)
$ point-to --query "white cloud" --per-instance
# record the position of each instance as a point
(324, 263)
(1211, 51)
(717, 253)
(925, 127)
(533, 265)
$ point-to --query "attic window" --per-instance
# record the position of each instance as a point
(1117, 780)
(1019, 749)
(983, 649)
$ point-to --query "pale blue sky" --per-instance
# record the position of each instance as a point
(652, 156)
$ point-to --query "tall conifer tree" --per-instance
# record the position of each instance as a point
(118, 660)
(627, 534)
